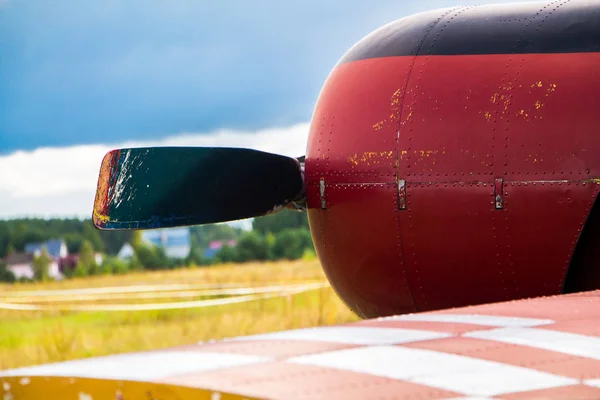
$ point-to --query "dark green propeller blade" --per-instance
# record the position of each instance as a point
(161, 187)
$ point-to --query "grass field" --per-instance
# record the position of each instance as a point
(40, 336)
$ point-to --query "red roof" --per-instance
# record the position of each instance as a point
(18, 258)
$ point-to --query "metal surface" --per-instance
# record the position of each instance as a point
(560, 26)
(60, 388)
(496, 137)
(322, 194)
(402, 194)
(161, 187)
(499, 193)
(539, 348)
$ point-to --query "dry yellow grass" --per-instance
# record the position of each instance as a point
(34, 337)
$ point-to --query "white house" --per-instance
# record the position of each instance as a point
(21, 265)
(56, 248)
(126, 252)
(98, 258)
(175, 241)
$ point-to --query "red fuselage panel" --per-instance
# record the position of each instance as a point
(459, 130)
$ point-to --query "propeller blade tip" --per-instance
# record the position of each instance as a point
(100, 215)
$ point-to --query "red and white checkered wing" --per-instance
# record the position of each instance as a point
(537, 348)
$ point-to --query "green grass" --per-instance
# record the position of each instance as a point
(34, 337)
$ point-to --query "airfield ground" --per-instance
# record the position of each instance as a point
(51, 333)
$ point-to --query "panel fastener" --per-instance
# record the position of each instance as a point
(402, 194)
(322, 192)
(499, 193)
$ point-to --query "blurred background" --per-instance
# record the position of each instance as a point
(79, 78)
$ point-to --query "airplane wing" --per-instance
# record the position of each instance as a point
(536, 348)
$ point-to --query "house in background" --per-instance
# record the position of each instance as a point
(56, 248)
(21, 265)
(71, 260)
(216, 245)
(126, 252)
(175, 241)
(68, 263)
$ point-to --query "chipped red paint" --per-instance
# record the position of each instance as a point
(450, 126)
(105, 183)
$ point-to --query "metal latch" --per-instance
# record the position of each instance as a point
(499, 193)
(402, 194)
(322, 192)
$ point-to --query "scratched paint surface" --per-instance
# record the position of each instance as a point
(367, 151)
(530, 117)
(454, 124)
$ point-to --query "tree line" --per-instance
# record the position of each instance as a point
(284, 235)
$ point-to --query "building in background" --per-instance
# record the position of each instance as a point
(21, 265)
(126, 252)
(70, 262)
(56, 248)
(175, 241)
(215, 246)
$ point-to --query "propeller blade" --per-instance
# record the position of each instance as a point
(161, 187)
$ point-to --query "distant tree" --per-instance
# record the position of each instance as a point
(307, 241)
(135, 264)
(161, 259)
(275, 223)
(227, 254)
(6, 275)
(10, 249)
(152, 257)
(73, 242)
(270, 241)
(69, 272)
(136, 239)
(145, 256)
(86, 252)
(291, 243)
(18, 232)
(196, 257)
(41, 264)
(309, 255)
(35, 235)
(80, 270)
(87, 259)
(92, 235)
(252, 247)
(106, 268)
(119, 267)
(114, 240)
(19, 229)
(113, 265)
(202, 235)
